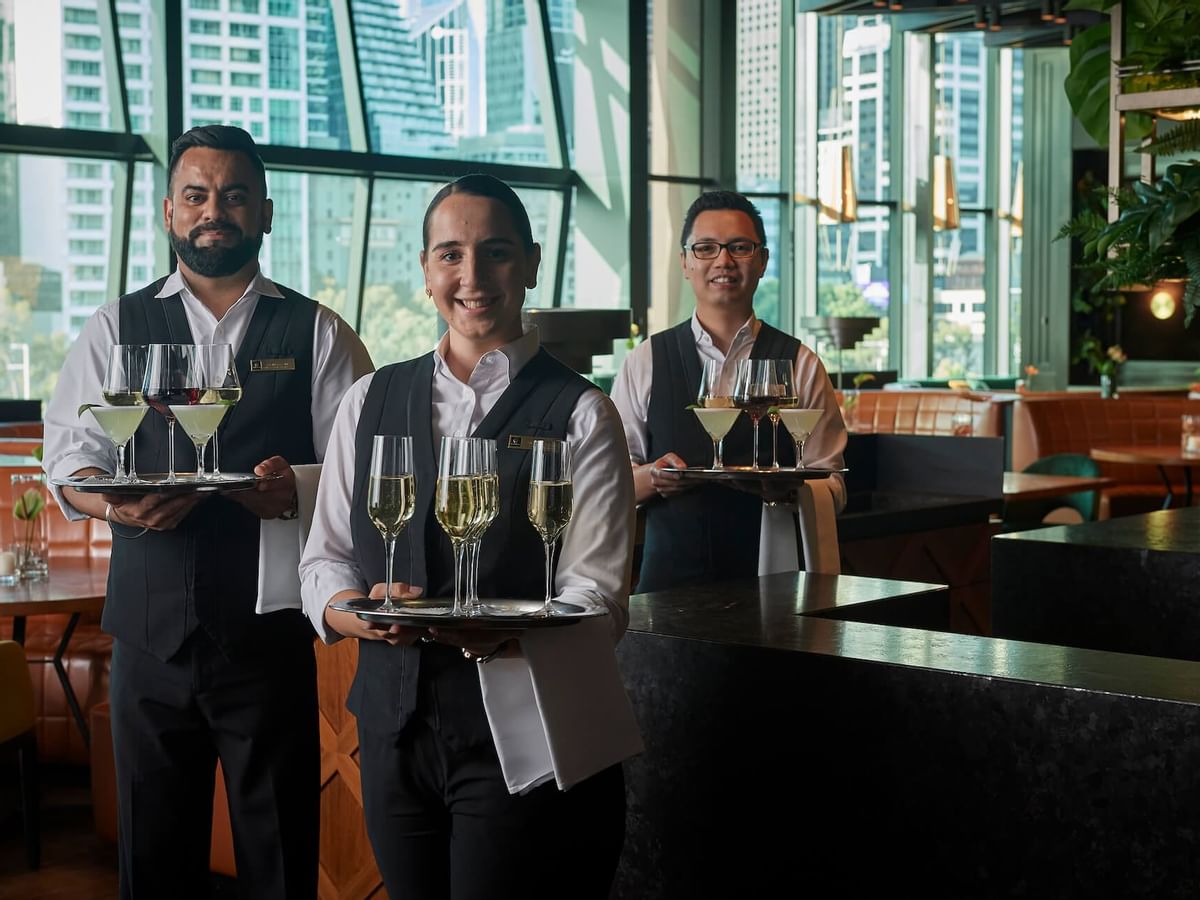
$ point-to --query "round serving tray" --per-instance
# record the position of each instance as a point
(157, 483)
(496, 615)
(780, 476)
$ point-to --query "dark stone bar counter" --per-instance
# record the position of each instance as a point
(1130, 584)
(791, 753)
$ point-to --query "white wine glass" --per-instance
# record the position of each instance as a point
(169, 382)
(221, 385)
(549, 506)
(755, 391)
(122, 392)
(391, 499)
(783, 386)
(456, 503)
(489, 509)
(800, 424)
(715, 409)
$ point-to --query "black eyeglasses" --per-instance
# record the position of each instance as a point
(712, 249)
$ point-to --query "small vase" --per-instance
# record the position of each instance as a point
(31, 536)
(1108, 387)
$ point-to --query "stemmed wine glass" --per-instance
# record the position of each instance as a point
(800, 424)
(202, 414)
(168, 382)
(715, 409)
(221, 385)
(784, 389)
(456, 502)
(549, 506)
(489, 508)
(391, 498)
(122, 391)
(755, 389)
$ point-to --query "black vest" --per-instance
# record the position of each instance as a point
(394, 682)
(708, 533)
(163, 585)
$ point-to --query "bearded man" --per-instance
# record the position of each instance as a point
(203, 668)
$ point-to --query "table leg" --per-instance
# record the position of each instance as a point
(19, 630)
(1162, 471)
(1187, 485)
(60, 669)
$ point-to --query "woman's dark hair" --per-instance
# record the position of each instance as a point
(483, 186)
(722, 200)
(217, 137)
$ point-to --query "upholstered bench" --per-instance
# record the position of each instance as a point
(925, 412)
(1044, 426)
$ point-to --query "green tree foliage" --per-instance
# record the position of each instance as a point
(46, 351)
(392, 329)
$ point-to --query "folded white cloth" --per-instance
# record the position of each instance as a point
(280, 542)
(817, 520)
(561, 711)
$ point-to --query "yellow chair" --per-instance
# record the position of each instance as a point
(16, 733)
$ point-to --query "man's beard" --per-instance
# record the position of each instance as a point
(215, 261)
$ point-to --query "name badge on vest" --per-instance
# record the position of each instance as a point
(520, 442)
(284, 364)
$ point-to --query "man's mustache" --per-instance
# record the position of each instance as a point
(214, 226)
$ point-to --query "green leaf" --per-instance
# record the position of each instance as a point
(37, 452)
(84, 407)
(1086, 84)
(28, 505)
(693, 406)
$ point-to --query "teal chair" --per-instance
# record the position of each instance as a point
(1029, 513)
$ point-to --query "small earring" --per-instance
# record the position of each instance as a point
(428, 293)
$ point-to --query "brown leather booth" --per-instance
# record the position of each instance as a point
(925, 412)
(1075, 424)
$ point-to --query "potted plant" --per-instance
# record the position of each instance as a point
(1104, 361)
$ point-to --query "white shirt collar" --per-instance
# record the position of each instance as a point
(259, 284)
(748, 331)
(514, 355)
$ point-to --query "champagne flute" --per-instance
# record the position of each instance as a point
(549, 505)
(221, 385)
(800, 424)
(489, 509)
(784, 389)
(754, 390)
(122, 391)
(391, 499)
(456, 502)
(169, 374)
(715, 409)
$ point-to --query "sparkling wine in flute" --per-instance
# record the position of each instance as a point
(457, 507)
(391, 500)
(550, 501)
(488, 493)
(550, 508)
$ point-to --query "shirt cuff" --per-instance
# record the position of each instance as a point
(319, 585)
(69, 465)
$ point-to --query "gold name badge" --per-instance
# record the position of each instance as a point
(520, 442)
(273, 365)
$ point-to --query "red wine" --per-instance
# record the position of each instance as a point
(162, 401)
(756, 404)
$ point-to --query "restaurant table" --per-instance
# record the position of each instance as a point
(74, 586)
(1164, 456)
(1038, 486)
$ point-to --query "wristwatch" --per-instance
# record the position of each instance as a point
(292, 512)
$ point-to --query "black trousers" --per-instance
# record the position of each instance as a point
(444, 827)
(172, 720)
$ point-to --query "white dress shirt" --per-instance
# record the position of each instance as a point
(824, 447)
(597, 546)
(76, 442)
(559, 710)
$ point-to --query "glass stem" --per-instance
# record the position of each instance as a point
(473, 578)
(546, 609)
(216, 470)
(389, 544)
(121, 464)
(754, 459)
(718, 463)
(199, 460)
(774, 442)
(458, 578)
(133, 458)
(170, 449)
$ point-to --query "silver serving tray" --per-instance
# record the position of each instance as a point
(781, 475)
(156, 483)
(496, 615)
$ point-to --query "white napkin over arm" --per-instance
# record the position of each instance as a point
(815, 514)
(280, 542)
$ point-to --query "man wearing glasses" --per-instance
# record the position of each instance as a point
(711, 533)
